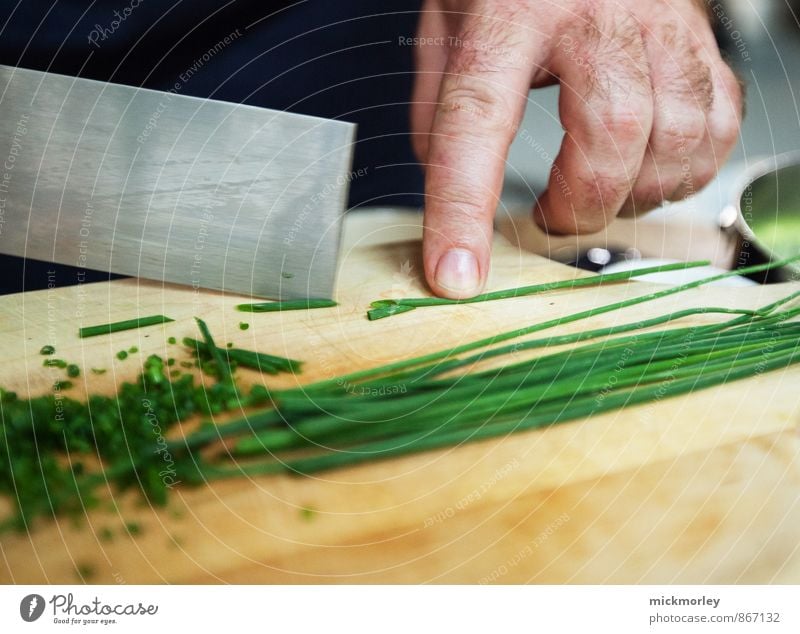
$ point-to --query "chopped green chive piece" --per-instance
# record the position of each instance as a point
(133, 350)
(98, 370)
(307, 513)
(172, 340)
(73, 370)
(243, 325)
(47, 350)
(54, 363)
(122, 354)
(117, 326)
(216, 354)
(291, 304)
(62, 385)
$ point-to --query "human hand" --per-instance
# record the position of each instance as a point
(650, 112)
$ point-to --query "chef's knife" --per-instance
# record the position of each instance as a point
(169, 187)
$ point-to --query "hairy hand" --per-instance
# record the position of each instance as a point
(649, 109)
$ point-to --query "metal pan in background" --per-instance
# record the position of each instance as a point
(764, 213)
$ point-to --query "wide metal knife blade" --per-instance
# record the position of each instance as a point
(169, 187)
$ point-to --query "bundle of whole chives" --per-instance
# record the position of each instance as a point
(387, 307)
(553, 379)
(498, 408)
(407, 406)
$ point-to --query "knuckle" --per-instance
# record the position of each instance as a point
(678, 136)
(474, 103)
(620, 124)
(572, 222)
(611, 53)
(604, 192)
(727, 120)
(590, 222)
(731, 84)
(704, 174)
(726, 130)
(693, 177)
(649, 195)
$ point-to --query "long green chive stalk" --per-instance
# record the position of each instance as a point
(290, 304)
(357, 380)
(117, 326)
(387, 307)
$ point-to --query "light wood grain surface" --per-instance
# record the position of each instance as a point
(701, 488)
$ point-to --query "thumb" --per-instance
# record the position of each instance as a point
(481, 100)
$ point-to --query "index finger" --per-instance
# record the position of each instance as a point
(481, 100)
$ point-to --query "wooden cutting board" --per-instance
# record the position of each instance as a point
(701, 488)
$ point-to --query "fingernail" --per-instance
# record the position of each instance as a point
(457, 271)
